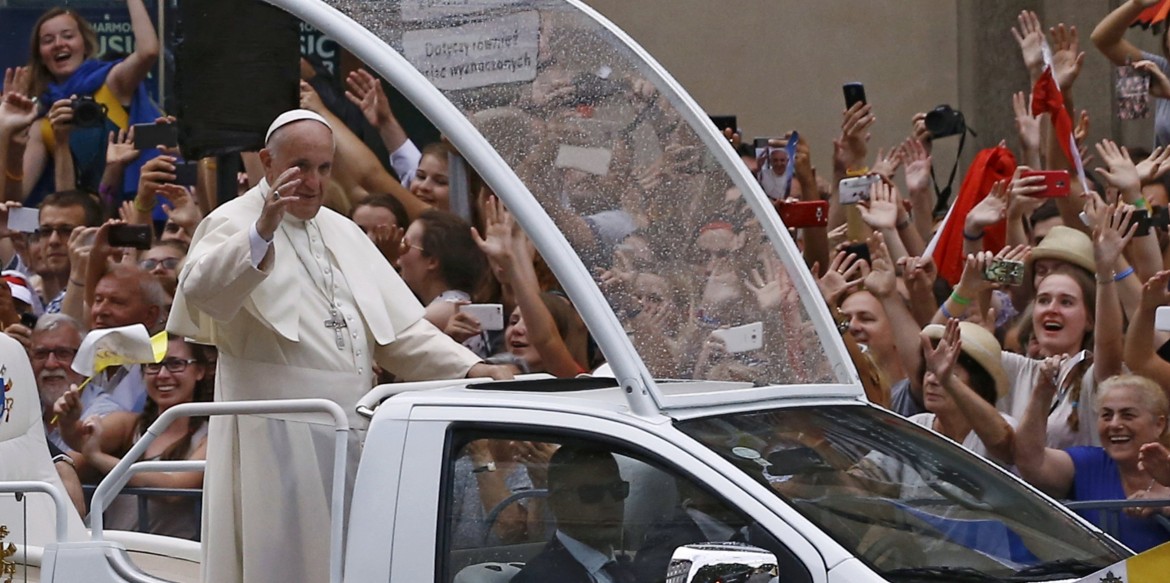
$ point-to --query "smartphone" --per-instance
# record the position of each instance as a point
(186, 173)
(854, 93)
(1005, 271)
(1056, 182)
(28, 320)
(23, 220)
(134, 236)
(856, 189)
(805, 213)
(1162, 319)
(490, 316)
(861, 250)
(153, 135)
(723, 122)
(742, 338)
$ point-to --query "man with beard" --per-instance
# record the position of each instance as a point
(55, 340)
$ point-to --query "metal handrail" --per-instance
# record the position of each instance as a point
(53, 491)
(1108, 521)
(143, 495)
(117, 478)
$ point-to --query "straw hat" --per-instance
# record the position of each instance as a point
(981, 346)
(1066, 244)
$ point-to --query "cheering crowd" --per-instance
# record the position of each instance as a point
(1021, 325)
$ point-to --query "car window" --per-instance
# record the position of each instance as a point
(541, 507)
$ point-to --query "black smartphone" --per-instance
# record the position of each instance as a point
(854, 93)
(186, 173)
(724, 122)
(28, 320)
(135, 236)
(859, 249)
(153, 135)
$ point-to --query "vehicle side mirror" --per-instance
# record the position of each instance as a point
(722, 562)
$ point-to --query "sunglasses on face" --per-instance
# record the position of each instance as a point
(45, 232)
(594, 493)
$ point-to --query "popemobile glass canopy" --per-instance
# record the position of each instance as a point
(595, 148)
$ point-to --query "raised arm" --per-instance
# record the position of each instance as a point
(124, 77)
(993, 430)
(882, 283)
(1109, 35)
(1050, 470)
(1140, 355)
(1113, 231)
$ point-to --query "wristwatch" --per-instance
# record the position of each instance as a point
(488, 467)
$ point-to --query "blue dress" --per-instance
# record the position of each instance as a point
(1097, 478)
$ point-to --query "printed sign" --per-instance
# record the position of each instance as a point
(314, 43)
(501, 50)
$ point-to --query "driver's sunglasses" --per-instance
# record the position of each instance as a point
(594, 493)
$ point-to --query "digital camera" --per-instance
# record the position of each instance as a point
(87, 113)
(944, 121)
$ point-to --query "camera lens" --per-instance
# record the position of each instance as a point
(87, 112)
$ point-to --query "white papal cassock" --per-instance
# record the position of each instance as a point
(266, 491)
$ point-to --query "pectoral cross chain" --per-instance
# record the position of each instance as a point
(337, 323)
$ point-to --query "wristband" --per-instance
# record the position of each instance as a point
(945, 311)
(958, 299)
(1124, 274)
(975, 238)
(139, 208)
(902, 224)
(1141, 203)
(76, 283)
(857, 172)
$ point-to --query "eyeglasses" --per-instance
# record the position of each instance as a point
(62, 354)
(63, 231)
(594, 493)
(172, 227)
(406, 246)
(172, 364)
(168, 263)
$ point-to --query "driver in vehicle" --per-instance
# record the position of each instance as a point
(587, 496)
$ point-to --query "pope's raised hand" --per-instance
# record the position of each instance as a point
(276, 202)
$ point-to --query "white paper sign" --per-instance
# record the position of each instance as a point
(501, 50)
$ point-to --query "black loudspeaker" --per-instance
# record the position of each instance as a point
(236, 69)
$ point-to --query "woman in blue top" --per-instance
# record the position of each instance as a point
(62, 65)
(1131, 412)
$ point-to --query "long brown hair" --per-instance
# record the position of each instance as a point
(203, 393)
(40, 73)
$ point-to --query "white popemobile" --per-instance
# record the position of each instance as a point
(562, 114)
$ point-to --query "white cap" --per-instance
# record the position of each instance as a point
(290, 117)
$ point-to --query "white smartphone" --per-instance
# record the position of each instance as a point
(856, 189)
(595, 161)
(490, 316)
(23, 220)
(1162, 319)
(742, 338)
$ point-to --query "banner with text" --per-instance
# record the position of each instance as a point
(501, 50)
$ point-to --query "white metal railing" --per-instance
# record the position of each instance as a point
(59, 501)
(127, 466)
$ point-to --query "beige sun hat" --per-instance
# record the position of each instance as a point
(981, 346)
(1066, 244)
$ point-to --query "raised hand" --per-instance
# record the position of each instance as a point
(16, 81)
(1154, 459)
(887, 163)
(61, 119)
(770, 288)
(855, 135)
(881, 280)
(1067, 57)
(17, 112)
(498, 239)
(1030, 36)
(182, 208)
(845, 273)
(1155, 165)
(276, 202)
(120, 149)
(1114, 229)
(940, 360)
(1154, 291)
(1121, 173)
(917, 160)
(388, 239)
(365, 91)
(881, 210)
(309, 98)
(1027, 125)
(1159, 84)
(462, 325)
(991, 210)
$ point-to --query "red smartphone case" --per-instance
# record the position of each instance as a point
(1056, 183)
(805, 213)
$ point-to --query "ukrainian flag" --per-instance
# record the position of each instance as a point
(1151, 566)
